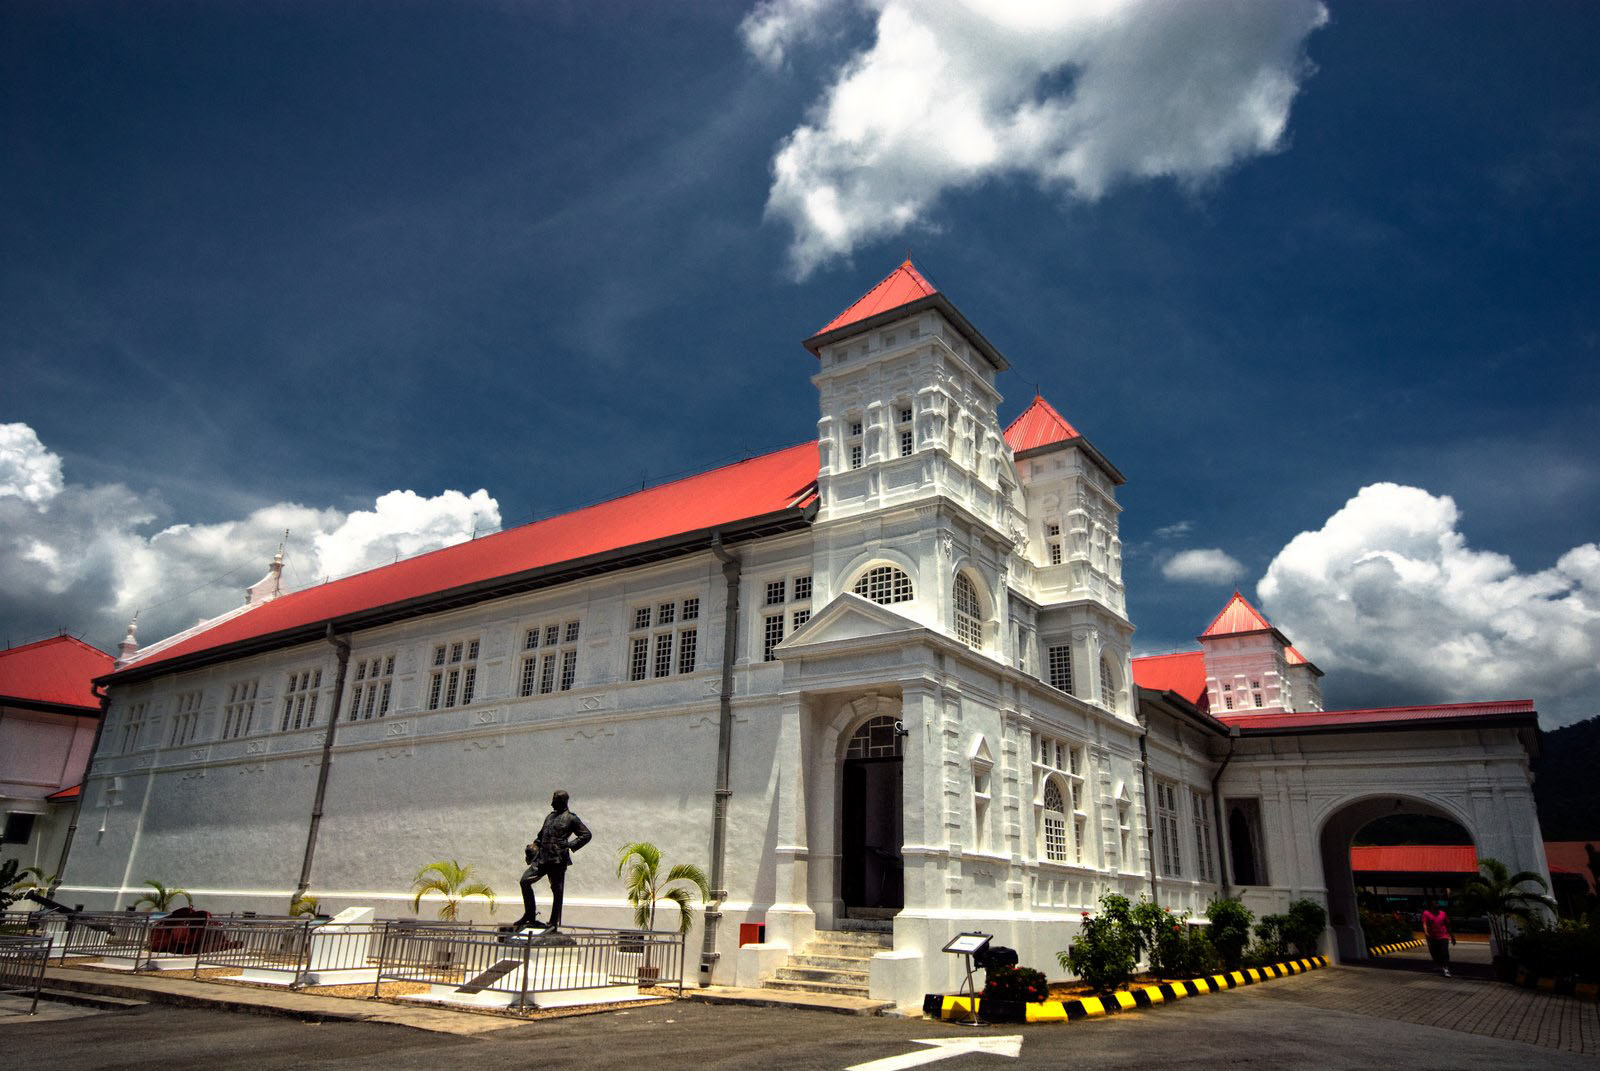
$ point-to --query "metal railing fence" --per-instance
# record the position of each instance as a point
(22, 963)
(573, 959)
(115, 934)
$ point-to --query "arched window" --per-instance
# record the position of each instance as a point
(1108, 685)
(876, 739)
(969, 615)
(1055, 824)
(884, 584)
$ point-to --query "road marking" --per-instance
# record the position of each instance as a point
(943, 1049)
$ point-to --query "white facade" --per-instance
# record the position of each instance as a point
(944, 583)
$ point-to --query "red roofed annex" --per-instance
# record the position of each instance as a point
(880, 681)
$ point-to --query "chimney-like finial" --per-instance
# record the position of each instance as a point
(270, 586)
(130, 643)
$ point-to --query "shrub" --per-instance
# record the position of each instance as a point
(1230, 930)
(1384, 928)
(1270, 937)
(1104, 953)
(1198, 955)
(1158, 935)
(1568, 950)
(1023, 984)
(1306, 922)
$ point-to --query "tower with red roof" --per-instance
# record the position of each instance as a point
(1251, 666)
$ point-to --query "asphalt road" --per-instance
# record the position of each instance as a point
(1269, 1026)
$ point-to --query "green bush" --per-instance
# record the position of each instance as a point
(1570, 949)
(1022, 984)
(1158, 934)
(1104, 953)
(1384, 928)
(1298, 930)
(1199, 955)
(1230, 930)
(1307, 920)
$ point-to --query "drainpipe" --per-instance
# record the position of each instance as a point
(342, 647)
(1149, 805)
(1216, 810)
(83, 791)
(731, 569)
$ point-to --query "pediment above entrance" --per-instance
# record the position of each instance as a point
(847, 617)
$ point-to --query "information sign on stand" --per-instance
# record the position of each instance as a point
(969, 944)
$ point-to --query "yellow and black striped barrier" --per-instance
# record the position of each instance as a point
(1403, 946)
(1149, 996)
(1565, 986)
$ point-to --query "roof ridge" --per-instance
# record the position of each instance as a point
(53, 639)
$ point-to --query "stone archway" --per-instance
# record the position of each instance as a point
(1339, 829)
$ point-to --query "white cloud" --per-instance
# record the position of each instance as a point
(85, 558)
(27, 470)
(1389, 589)
(1175, 530)
(1076, 97)
(775, 26)
(1206, 565)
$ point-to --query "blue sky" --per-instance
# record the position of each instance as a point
(264, 266)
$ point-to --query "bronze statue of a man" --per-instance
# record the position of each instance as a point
(548, 857)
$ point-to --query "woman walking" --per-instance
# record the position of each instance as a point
(1436, 928)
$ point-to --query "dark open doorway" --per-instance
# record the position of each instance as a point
(872, 876)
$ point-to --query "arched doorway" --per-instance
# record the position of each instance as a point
(871, 880)
(1388, 817)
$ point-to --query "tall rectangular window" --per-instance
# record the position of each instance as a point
(1167, 829)
(1204, 857)
(372, 686)
(455, 674)
(544, 648)
(185, 719)
(771, 636)
(300, 700)
(239, 713)
(1060, 667)
(674, 629)
(908, 442)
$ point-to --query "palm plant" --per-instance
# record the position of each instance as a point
(161, 898)
(452, 881)
(646, 886)
(1497, 893)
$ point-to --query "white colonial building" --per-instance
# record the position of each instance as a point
(880, 682)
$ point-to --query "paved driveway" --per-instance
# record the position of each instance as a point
(1331, 1020)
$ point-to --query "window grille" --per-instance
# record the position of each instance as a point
(1204, 857)
(185, 719)
(884, 584)
(670, 635)
(1167, 828)
(802, 588)
(688, 647)
(969, 615)
(908, 443)
(1108, 685)
(1055, 824)
(1060, 658)
(239, 712)
(300, 700)
(455, 680)
(369, 697)
(875, 739)
(776, 591)
(538, 673)
(772, 635)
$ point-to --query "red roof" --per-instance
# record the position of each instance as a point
(744, 491)
(1038, 425)
(67, 793)
(900, 287)
(1570, 857)
(57, 671)
(1238, 616)
(1377, 717)
(1415, 858)
(1183, 673)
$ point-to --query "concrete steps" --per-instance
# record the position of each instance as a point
(835, 962)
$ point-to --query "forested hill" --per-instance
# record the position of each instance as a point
(1567, 782)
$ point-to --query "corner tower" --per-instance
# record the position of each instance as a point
(1252, 668)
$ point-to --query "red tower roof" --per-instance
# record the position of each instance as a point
(900, 287)
(54, 672)
(1238, 616)
(1039, 425)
